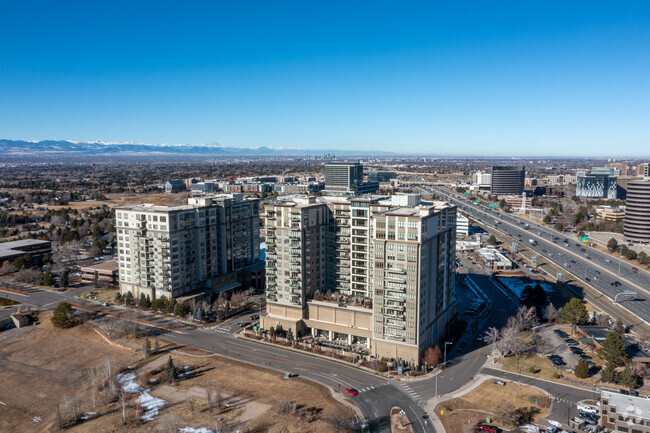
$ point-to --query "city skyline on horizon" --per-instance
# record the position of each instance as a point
(425, 79)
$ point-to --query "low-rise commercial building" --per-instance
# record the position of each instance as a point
(610, 213)
(36, 249)
(493, 260)
(174, 186)
(101, 274)
(624, 413)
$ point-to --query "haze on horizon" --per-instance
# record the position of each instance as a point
(505, 78)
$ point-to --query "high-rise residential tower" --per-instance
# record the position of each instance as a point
(174, 250)
(375, 271)
(636, 225)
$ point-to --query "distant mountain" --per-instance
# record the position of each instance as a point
(98, 148)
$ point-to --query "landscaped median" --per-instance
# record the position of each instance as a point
(506, 406)
(399, 422)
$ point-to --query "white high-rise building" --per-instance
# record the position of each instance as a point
(482, 179)
(362, 271)
(174, 250)
(462, 225)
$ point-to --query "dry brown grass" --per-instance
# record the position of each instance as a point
(462, 414)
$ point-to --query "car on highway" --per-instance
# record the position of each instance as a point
(615, 283)
(351, 391)
(608, 260)
(597, 271)
(582, 249)
(635, 270)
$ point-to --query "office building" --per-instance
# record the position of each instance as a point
(462, 225)
(203, 187)
(36, 249)
(636, 225)
(624, 413)
(382, 176)
(507, 180)
(620, 167)
(346, 178)
(610, 213)
(482, 179)
(365, 272)
(174, 186)
(600, 182)
(175, 250)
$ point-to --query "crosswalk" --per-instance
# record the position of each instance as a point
(223, 330)
(370, 388)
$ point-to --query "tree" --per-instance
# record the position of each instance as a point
(503, 203)
(628, 378)
(582, 369)
(631, 255)
(574, 312)
(48, 279)
(492, 240)
(146, 348)
(548, 219)
(506, 413)
(128, 298)
(534, 296)
(559, 227)
(180, 310)
(608, 374)
(30, 276)
(551, 313)
(432, 356)
(143, 302)
(24, 261)
(623, 249)
(170, 370)
(612, 245)
(643, 258)
(61, 317)
(290, 336)
(64, 279)
(613, 349)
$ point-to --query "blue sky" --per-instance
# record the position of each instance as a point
(477, 78)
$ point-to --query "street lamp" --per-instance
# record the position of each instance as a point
(619, 266)
(445, 357)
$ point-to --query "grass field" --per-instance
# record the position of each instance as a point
(462, 414)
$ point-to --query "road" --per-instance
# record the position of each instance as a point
(377, 394)
(592, 267)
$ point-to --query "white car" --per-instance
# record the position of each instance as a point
(588, 408)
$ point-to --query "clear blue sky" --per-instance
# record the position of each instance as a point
(485, 77)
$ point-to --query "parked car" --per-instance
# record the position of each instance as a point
(487, 428)
(588, 408)
(571, 342)
(575, 350)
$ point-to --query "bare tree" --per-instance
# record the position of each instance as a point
(123, 401)
(110, 326)
(288, 407)
(552, 314)
(340, 421)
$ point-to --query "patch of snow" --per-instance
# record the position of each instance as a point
(149, 404)
(195, 430)
(517, 285)
(3, 403)
(88, 414)
(37, 419)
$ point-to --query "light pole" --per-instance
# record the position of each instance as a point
(445, 357)
(619, 266)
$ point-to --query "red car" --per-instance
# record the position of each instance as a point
(351, 391)
(582, 249)
(487, 428)
(634, 270)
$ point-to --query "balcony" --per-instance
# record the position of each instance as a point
(296, 252)
(395, 279)
(396, 271)
(294, 235)
(395, 325)
(394, 337)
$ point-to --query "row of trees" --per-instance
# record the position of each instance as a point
(642, 257)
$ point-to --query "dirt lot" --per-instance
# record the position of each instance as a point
(460, 415)
(43, 365)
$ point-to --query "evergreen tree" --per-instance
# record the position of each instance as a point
(613, 349)
(61, 317)
(612, 245)
(64, 279)
(143, 303)
(290, 336)
(627, 378)
(492, 240)
(608, 374)
(574, 312)
(582, 369)
(48, 279)
(180, 310)
(170, 370)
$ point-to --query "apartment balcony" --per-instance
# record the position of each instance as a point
(395, 325)
(294, 235)
(396, 271)
(271, 297)
(295, 226)
(395, 315)
(295, 260)
(295, 217)
(396, 304)
(271, 256)
(296, 252)
(394, 295)
(343, 223)
(271, 272)
(394, 337)
(395, 279)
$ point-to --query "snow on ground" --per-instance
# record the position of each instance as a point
(37, 419)
(149, 404)
(517, 285)
(3, 403)
(195, 430)
(87, 415)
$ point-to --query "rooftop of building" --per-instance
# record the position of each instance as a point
(394, 201)
(23, 243)
(627, 404)
(492, 254)
(193, 203)
(111, 265)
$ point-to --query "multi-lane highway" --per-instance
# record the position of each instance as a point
(608, 275)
